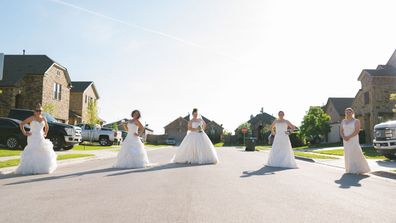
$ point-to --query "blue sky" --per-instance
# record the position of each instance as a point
(229, 58)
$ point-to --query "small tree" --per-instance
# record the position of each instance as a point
(92, 113)
(315, 124)
(49, 108)
(393, 98)
(239, 132)
(115, 126)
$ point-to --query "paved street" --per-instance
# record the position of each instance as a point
(239, 189)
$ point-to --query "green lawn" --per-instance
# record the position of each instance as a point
(220, 144)
(258, 148)
(368, 152)
(15, 162)
(9, 152)
(313, 156)
(155, 146)
(93, 147)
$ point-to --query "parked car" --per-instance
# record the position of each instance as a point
(63, 136)
(170, 141)
(105, 136)
(10, 134)
(385, 139)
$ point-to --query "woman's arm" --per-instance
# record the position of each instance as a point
(291, 126)
(125, 126)
(46, 128)
(357, 130)
(140, 128)
(23, 123)
(203, 125)
(273, 127)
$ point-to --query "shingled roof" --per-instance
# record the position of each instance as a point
(81, 86)
(15, 67)
(340, 104)
(389, 69)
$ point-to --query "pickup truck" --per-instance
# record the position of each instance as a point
(62, 136)
(105, 136)
(385, 139)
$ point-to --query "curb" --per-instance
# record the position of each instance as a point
(305, 159)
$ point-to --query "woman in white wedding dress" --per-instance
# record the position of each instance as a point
(38, 157)
(281, 154)
(132, 153)
(196, 147)
(355, 162)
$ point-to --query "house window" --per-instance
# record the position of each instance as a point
(367, 98)
(58, 73)
(57, 91)
(86, 99)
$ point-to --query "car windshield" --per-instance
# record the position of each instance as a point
(49, 117)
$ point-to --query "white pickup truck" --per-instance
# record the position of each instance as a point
(105, 136)
(385, 139)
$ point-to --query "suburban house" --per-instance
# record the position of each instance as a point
(335, 108)
(372, 103)
(260, 124)
(26, 80)
(178, 128)
(81, 94)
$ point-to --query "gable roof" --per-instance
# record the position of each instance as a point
(340, 104)
(15, 67)
(262, 117)
(183, 119)
(387, 70)
(81, 86)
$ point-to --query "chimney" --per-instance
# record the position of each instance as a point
(23, 52)
(1, 65)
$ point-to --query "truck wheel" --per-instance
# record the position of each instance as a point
(12, 142)
(104, 141)
(390, 156)
(68, 147)
(58, 142)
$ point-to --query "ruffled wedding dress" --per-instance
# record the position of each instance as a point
(281, 154)
(38, 157)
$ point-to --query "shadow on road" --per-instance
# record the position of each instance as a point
(55, 177)
(350, 180)
(266, 170)
(157, 168)
(387, 163)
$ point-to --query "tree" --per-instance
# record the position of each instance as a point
(114, 126)
(239, 132)
(92, 113)
(49, 108)
(315, 124)
(393, 98)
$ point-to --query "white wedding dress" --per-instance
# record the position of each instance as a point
(281, 154)
(132, 153)
(38, 157)
(196, 148)
(355, 162)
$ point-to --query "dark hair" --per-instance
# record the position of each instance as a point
(281, 112)
(195, 110)
(134, 111)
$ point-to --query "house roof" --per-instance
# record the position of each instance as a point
(262, 117)
(387, 70)
(81, 86)
(17, 66)
(340, 104)
(187, 119)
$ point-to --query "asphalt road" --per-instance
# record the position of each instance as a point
(238, 189)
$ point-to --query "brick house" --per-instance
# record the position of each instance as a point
(372, 104)
(81, 93)
(178, 128)
(335, 108)
(26, 80)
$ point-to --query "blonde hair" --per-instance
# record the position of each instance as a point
(351, 110)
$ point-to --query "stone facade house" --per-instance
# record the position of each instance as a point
(81, 93)
(335, 108)
(259, 124)
(26, 80)
(178, 128)
(372, 104)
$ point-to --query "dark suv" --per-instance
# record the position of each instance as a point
(63, 136)
(11, 135)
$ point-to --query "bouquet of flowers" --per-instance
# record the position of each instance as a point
(200, 128)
